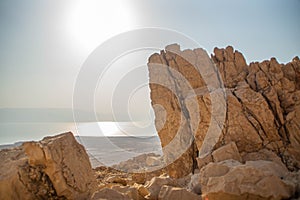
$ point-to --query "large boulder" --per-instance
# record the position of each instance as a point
(55, 168)
(253, 180)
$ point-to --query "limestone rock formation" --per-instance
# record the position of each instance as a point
(209, 110)
(55, 168)
(204, 103)
(175, 82)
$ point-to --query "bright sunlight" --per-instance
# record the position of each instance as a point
(89, 23)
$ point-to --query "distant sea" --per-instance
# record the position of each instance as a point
(106, 143)
(112, 150)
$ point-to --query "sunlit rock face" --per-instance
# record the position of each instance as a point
(261, 179)
(55, 168)
(202, 103)
(182, 103)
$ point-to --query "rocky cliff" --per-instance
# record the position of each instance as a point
(218, 108)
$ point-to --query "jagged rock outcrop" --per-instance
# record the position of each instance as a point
(55, 168)
(176, 85)
(268, 95)
(221, 108)
(262, 101)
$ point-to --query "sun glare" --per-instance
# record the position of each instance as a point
(89, 23)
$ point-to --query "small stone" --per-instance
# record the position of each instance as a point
(229, 151)
(204, 160)
(109, 194)
(175, 193)
(155, 185)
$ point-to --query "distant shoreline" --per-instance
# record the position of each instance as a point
(111, 150)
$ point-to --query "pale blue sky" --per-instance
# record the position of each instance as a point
(44, 43)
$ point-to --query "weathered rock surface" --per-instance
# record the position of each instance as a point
(109, 194)
(54, 168)
(154, 185)
(253, 180)
(129, 191)
(226, 152)
(176, 193)
(149, 161)
(211, 110)
(172, 76)
(262, 104)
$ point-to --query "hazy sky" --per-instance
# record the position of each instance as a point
(44, 43)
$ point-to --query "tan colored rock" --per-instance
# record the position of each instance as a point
(241, 128)
(291, 157)
(155, 185)
(175, 82)
(109, 194)
(11, 177)
(293, 126)
(195, 185)
(218, 54)
(294, 177)
(229, 151)
(263, 154)
(142, 177)
(232, 65)
(130, 192)
(116, 179)
(257, 109)
(256, 106)
(175, 193)
(184, 181)
(166, 95)
(142, 167)
(204, 160)
(141, 189)
(153, 161)
(55, 168)
(65, 162)
(254, 180)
